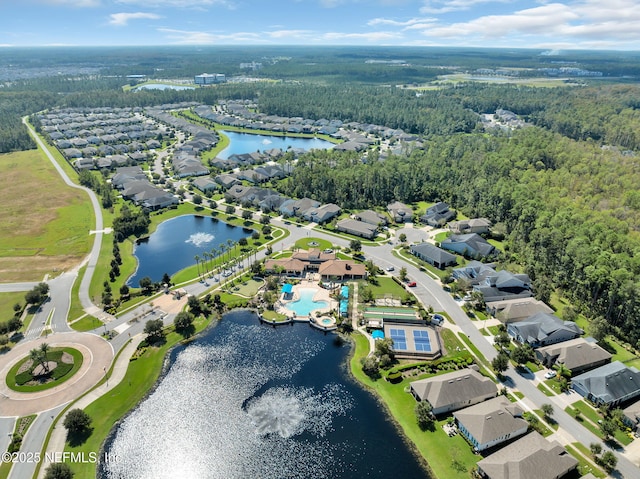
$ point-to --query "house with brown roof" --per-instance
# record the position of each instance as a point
(289, 266)
(518, 309)
(340, 270)
(578, 355)
(491, 422)
(530, 457)
(455, 390)
(474, 225)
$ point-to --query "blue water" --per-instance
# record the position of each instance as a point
(162, 86)
(247, 400)
(344, 304)
(305, 304)
(176, 242)
(248, 143)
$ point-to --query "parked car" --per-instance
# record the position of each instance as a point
(550, 374)
(390, 268)
(412, 284)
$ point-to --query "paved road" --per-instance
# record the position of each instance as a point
(32, 443)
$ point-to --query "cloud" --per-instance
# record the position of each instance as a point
(446, 6)
(186, 37)
(587, 22)
(122, 19)
(396, 23)
(368, 36)
(290, 33)
(73, 3)
(178, 3)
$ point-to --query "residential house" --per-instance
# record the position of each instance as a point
(632, 416)
(611, 384)
(371, 217)
(438, 214)
(578, 355)
(491, 422)
(313, 258)
(298, 207)
(433, 255)
(474, 272)
(474, 225)
(322, 214)
(503, 285)
(357, 228)
(227, 180)
(543, 329)
(84, 164)
(514, 310)
(530, 457)
(455, 390)
(205, 184)
(469, 245)
(400, 212)
(126, 174)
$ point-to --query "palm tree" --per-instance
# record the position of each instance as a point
(214, 255)
(197, 258)
(205, 255)
(223, 248)
(229, 245)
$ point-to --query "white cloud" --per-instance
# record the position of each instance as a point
(396, 23)
(122, 19)
(186, 37)
(178, 3)
(74, 3)
(446, 6)
(369, 36)
(289, 33)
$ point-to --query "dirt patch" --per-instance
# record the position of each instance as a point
(33, 268)
(25, 366)
(67, 358)
(169, 304)
(39, 369)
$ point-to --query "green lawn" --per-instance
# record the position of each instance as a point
(86, 323)
(59, 375)
(579, 451)
(475, 351)
(314, 243)
(7, 300)
(545, 390)
(385, 286)
(448, 457)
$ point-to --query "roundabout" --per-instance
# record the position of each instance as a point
(44, 370)
(92, 357)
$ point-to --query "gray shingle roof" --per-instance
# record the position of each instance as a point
(610, 383)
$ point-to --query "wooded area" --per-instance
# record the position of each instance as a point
(566, 188)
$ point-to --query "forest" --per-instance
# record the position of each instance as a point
(565, 188)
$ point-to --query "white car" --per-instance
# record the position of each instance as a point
(390, 268)
(550, 374)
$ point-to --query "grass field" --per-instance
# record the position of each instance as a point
(44, 227)
(7, 300)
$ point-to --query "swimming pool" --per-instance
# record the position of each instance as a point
(305, 304)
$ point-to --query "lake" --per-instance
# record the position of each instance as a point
(249, 400)
(163, 86)
(176, 242)
(247, 143)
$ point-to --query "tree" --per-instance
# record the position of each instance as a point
(184, 324)
(166, 279)
(500, 363)
(194, 305)
(37, 295)
(230, 209)
(246, 214)
(599, 328)
(608, 428)
(266, 230)
(502, 340)
(423, 415)
(402, 238)
(265, 219)
(59, 470)
(77, 421)
(153, 330)
(547, 410)
(384, 347)
(596, 448)
(522, 354)
(609, 461)
(124, 290)
(197, 199)
(403, 274)
(370, 367)
(355, 245)
(366, 295)
(145, 284)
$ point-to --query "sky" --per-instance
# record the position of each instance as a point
(548, 24)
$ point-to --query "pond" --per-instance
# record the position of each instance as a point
(248, 143)
(176, 242)
(249, 400)
(163, 86)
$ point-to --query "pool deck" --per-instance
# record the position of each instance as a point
(321, 294)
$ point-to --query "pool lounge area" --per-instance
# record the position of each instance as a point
(307, 301)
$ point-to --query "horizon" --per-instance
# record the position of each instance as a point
(514, 24)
